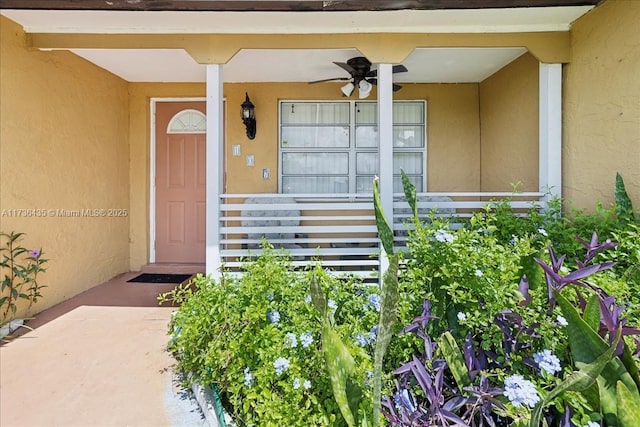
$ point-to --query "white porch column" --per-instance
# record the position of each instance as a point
(215, 168)
(385, 132)
(550, 142)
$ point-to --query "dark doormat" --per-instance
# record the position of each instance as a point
(160, 278)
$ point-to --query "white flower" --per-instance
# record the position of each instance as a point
(248, 377)
(306, 384)
(274, 316)
(281, 364)
(561, 321)
(362, 340)
(478, 273)
(542, 232)
(373, 333)
(443, 236)
(547, 361)
(520, 391)
(462, 316)
(296, 383)
(291, 340)
(374, 301)
(306, 338)
(332, 304)
(307, 299)
(592, 424)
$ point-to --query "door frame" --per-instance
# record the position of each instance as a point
(152, 165)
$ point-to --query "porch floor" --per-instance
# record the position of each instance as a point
(97, 359)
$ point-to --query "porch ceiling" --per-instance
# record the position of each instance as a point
(426, 65)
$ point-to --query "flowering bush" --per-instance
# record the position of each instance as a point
(495, 334)
(521, 359)
(513, 381)
(20, 268)
(257, 337)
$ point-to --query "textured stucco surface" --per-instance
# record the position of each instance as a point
(602, 105)
(64, 145)
(509, 118)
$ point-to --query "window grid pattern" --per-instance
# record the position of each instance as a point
(332, 147)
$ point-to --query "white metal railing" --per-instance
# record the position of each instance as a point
(337, 229)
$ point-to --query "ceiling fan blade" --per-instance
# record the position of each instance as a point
(396, 69)
(375, 82)
(344, 79)
(399, 69)
(345, 67)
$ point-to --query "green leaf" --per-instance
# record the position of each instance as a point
(340, 365)
(317, 295)
(388, 315)
(624, 207)
(365, 422)
(592, 313)
(409, 193)
(384, 231)
(630, 364)
(628, 406)
(354, 395)
(586, 345)
(452, 354)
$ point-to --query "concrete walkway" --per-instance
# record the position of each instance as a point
(98, 359)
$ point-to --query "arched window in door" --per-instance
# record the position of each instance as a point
(188, 121)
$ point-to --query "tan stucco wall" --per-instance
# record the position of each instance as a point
(602, 105)
(509, 130)
(452, 131)
(452, 139)
(63, 145)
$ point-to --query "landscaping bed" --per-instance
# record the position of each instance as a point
(507, 321)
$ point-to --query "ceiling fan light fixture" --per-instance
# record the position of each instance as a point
(347, 89)
(364, 89)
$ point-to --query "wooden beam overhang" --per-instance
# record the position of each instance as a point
(392, 48)
(283, 6)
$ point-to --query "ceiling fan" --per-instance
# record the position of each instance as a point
(361, 76)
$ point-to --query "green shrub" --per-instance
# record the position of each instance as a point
(240, 333)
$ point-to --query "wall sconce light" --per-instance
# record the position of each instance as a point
(249, 117)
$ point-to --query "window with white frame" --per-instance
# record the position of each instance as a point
(332, 147)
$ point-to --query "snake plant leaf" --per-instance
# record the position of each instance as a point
(340, 365)
(452, 354)
(354, 395)
(365, 422)
(384, 230)
(317, 295)
(624, 207)
(591, 314)
(628, 406)
(579, 380)
(388, 315)
(630, 364)
(409, 193)
(586, 345)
